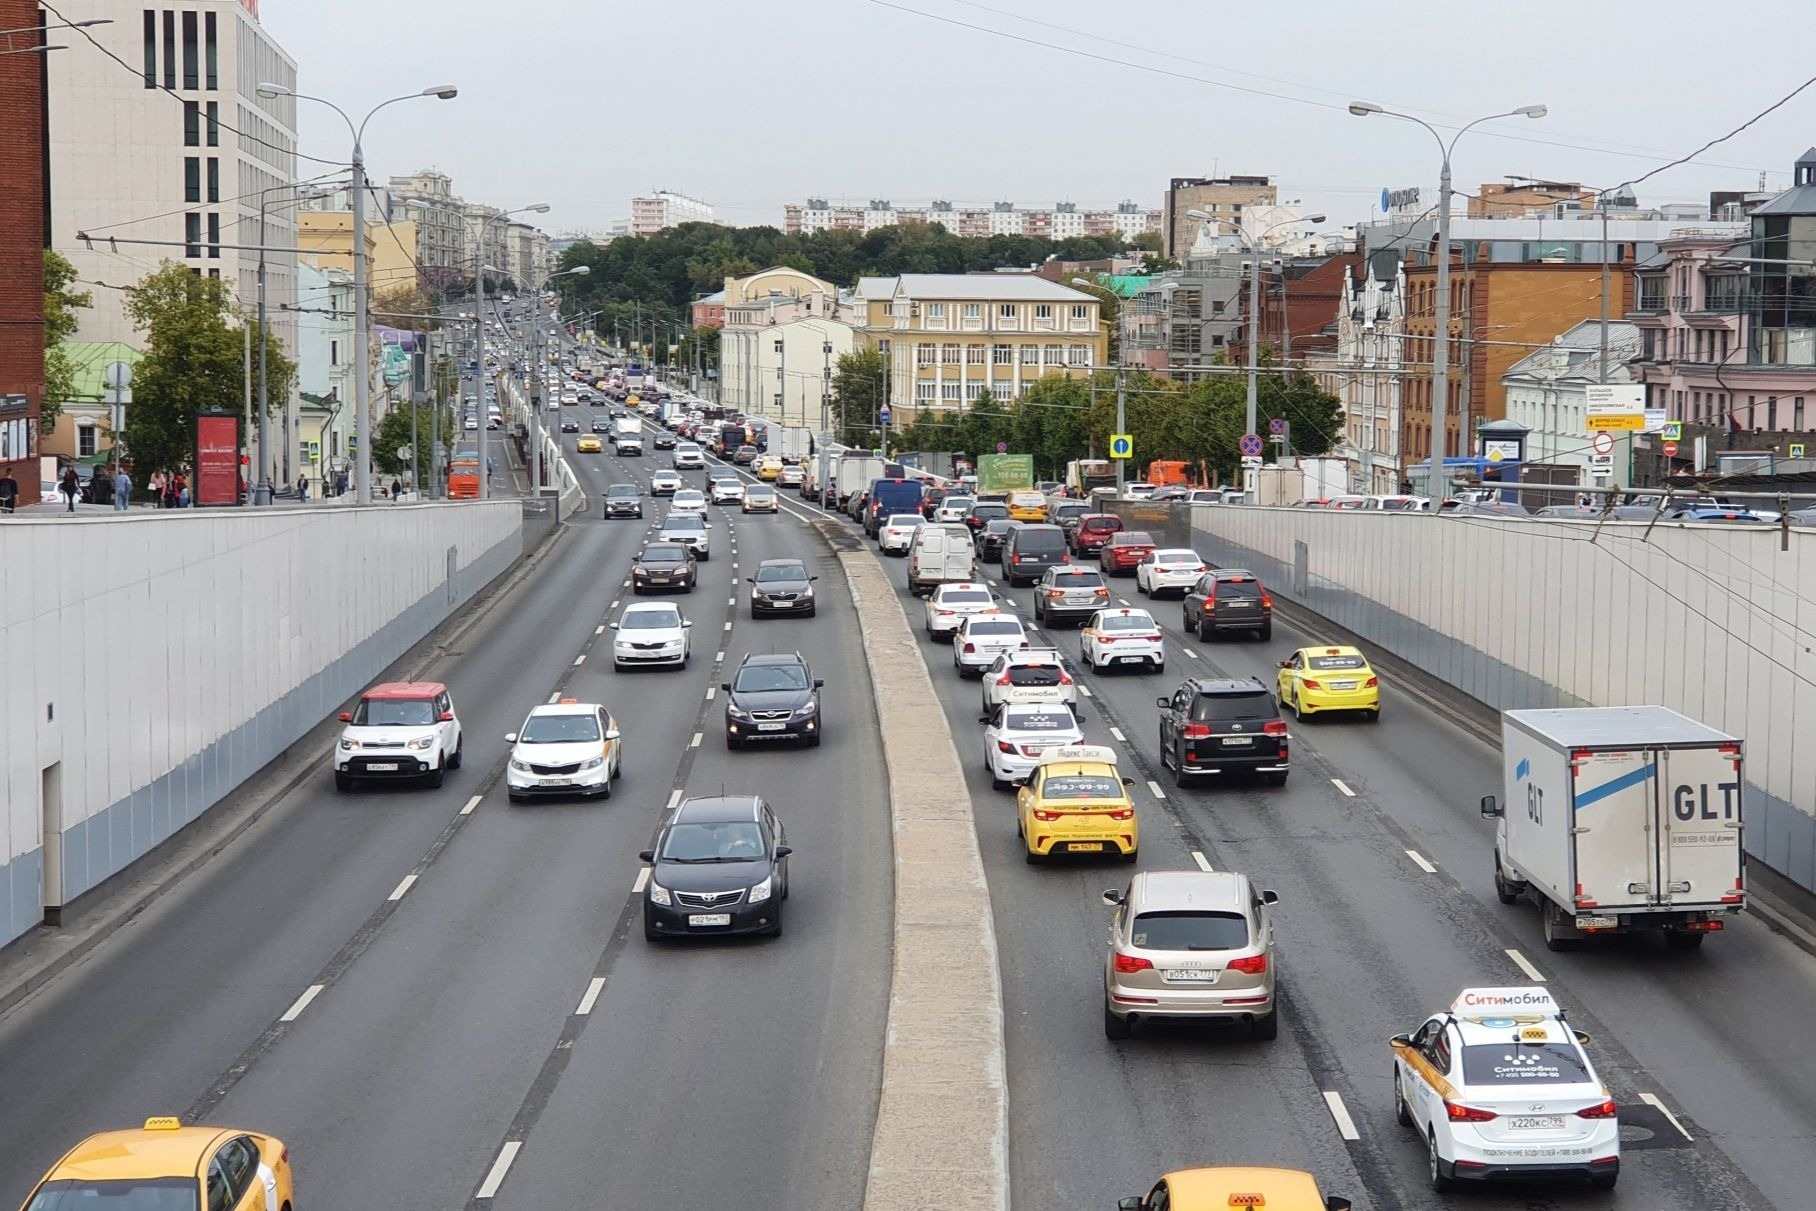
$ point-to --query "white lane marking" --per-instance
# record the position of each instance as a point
(731, 601)
(1651, 1099)
(401, 889)
(734, 565)
(627, 583)
(555, 697)
(1154, 789)
(1117, 732)
(1086, 691)
(472, 804)
(1346, 1126)
(594, 988)
(1204, 863)
(642, 881)
(600, 629)
(1338, 783)
(1520, 961)
(580, 659)
(500, 1167)
(674, 798)
(302, 1003)
(1123, 601)
(1422, 861)
(698, 736)
(728, 626)
(711, 692)
(1190, 652)
(719, 658)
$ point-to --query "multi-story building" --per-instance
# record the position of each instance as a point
(84, 431)
(948, 336)
(1057, 222)
(324, 369)
(784, 331)
(527, 251)
(1365, 371)
(1546, 396)
(1220, 197)
(428, 198)
(21, 262)
(496, 254)
(326, 237)
(664, 209)
(159, 133)
(708, 310)
(1520, 196)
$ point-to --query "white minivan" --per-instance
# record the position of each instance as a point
(940, 554)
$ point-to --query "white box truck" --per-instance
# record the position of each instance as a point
(1617, 819)
(627, 435)
(792, 443)
(855, 473)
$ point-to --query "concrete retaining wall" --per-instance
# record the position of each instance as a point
(1714, 621)
(154, 661)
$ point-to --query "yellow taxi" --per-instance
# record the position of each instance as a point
(166, 1164)
(1027, 506)
(769, 467)
(1219, 1187)
(589, 445)
(1318, 679)
(1076, 802)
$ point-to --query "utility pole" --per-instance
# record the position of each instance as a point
(1122, 419)
(362, 356)
(261, 492)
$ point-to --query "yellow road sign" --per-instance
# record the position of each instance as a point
(1633, 421)
(1122, 446)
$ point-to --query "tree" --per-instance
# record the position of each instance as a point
(60, 323)
(193, 363)
(859, 386)
(401, 306)
(1147, 241)
(394, 435)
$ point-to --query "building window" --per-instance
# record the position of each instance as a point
(1030, 355)
(85, 441)
(936, 311)
(1078, 355)
(950, 393)
(972, 311)
(1002, 391)
(214, 236)
(14, 440)
(151, 48)
(334, 353)
(214, 124)
(949, 355)
(212, 58)
(192, 235)
(191, 72)
(974, 355)
(1043, 311)
(925, 355)
(1055, 355)
(1080, 312)
(1006, 313)
(170, 48)
(1002, 355)
(926, 392)
(192, 124)
(192, 178)
(214, 178)
(1772, 412)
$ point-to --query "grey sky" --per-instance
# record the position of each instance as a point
(752, 103)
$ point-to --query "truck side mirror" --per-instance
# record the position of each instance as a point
(1490, 809)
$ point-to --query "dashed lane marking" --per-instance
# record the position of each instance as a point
(500, 1168)
(597, 984)
(1346, 1126)
(1422, 862)
(401, 889)
(580, 659)
(1651, 1099)
(1524, 964)
(1154, 789)
(698, 736)
(1117, 732)
(728, 626)
(1339, 784)
(301, 1003)
(1204, 863)
(600, 629)
(674, 798)
(471, 805)
(711, 692)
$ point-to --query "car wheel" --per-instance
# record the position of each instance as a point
(439, 774)
(1557, 934)
(731, 741)
(1205, 631)
(1604, 1181)
(1286, 704)
(1504, 891)
(1267, 631)
(1402, 1115)
(1441, 1182)
(812, 610)
(1115, 1027)
(342, 782)
(636, 589)
(605, 791)
(459, 753)
(1276, 779)
(1267, 1028)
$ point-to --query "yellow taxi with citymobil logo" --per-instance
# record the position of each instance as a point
(1076, 802)
(1219, 1187)
(1319, 679)
(1498, 1086)
(167, 1165)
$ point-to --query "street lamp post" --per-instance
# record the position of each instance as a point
(362, 382)
(479, 327)
(541, 370)
(1440, 351)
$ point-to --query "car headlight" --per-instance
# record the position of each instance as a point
(735, 713)
(349, 745)
(658, 894)
(592, 763)
(522, 767)
(760, 892)
(808, 591)
(421, 742)
(809, 709)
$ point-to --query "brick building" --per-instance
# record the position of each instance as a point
(1299, 303)
(22, 219)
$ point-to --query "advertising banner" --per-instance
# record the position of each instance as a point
(217, 459)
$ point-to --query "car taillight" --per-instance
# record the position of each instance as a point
(1274, 727)
(1104, 593)
(1267, 600)
(944, 613)
(1056, 592)
(1128, 965)
(1123, 813)
(1065, 678)
(1249, 965)
(1197, 731)
(1044, 816)
(970, 647)
(1003, 746)
(1106, 639)
(1309, 684)
(1459, 1113)
(1603, 1110)
(1372, 682)
(1004, 679)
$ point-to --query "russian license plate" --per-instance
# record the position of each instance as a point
(1188, 976)
(1536, 1122)
(1597, 922)
(1131, 659)
(1236, 741)
(387, 767)
(1084, 847)
(658, 580)
(770, 727)
(558, 782)
(1238, 604)
(1342, 685)
(709, 918)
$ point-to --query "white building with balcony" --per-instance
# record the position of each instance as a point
(1546, 396)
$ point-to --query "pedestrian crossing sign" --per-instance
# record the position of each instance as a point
(1121, 446)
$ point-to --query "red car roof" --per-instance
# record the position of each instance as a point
(408, 690)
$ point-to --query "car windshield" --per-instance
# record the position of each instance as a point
(1133, 538)
(686, 521)
(664, 554)
(1000, 526)
(1256, 705)
(650, 620)
(759, 490)
(718, 841)
(394, 712)
(1513, 1063)
(621, 490)
(689, 497)
(1080, 786)
(1336, 662)
(1078, 580)
(1045, 719)
(781, 571)
(957, 502)
(1101, 522)
(994, 627)
(559, 729)
(125, 1194)
(1126, 622)
(965, 597)
(770, 678)
(988, 511)
(1190, 931)
(1033, 674)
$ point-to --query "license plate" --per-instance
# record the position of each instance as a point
(558, 782)
(1131, 659)
(658, 580)
(1235, 741)
(1536, 1122)
(1187, 976)
(1085, 847)
(1235, 605)
(771, 727)
(1342, 685)
(384, 766)
(709, 918)
(1597, 922)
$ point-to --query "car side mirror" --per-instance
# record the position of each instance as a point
(1582, 1036)
(445, 717)
(1490, 809)
(686, 623)
(1270, 897)
(782, 851)
(1401, 1040)
(813, 578)
(612, 733)
(346, 716)
(648, 855)
(510, 737)
(1128, 782)
(1337, 1203)
(1163, 703)
(726, 686)
(819, 683)
(1131, 1203)
(1112, 897)
(1286, 664)
(613, 625)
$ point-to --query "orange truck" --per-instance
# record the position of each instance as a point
(463, 479)
(1166, 473)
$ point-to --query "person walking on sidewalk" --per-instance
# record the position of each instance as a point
(302, 489)
(70, 487)
(9, 490)
(157, 489)
(122, 490)
(397, 490)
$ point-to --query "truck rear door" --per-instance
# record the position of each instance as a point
(1699, 858)
(1614, 820)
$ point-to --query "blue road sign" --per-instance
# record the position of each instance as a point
(1251, 445)
(1276, 426)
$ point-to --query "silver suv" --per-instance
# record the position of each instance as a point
(1190, 944)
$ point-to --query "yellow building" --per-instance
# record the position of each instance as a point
(326, 236)
(393, 252)
(948, 336)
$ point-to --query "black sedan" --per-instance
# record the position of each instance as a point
(720, 866)
(772, 697)
(781, 586)
(570, 426)
(665, 441)
(664, 565)
(990, 539)
(602, 426)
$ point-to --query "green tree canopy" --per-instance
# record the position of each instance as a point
(61, 302)
(859, 385)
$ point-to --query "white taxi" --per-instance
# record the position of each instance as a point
(950, 604)
(1028, 674)
(981, 638)
(1121, 639)
(566, 748)
(1017, 735)
(1498, 1086)
(1168, 568)
(687, 500)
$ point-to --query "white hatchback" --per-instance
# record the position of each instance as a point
(1121, 639)
(981, 638)
(896, 535)
(650, 633)
(1163, 571)
(950, 604)
(665, 483)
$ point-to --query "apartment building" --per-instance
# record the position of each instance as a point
(663, 209)
(783, 332)
(1223, 198)
(427, 198)
(21, 266)
(1060, 221)
(946, 337)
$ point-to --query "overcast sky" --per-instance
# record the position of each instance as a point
(748, 104)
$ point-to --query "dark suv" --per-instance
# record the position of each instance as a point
(623, 500)
(1069, 593)
(772, 697)
(1030, 550)
(1213, 725)
(1228, 599)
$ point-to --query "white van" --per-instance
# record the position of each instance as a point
(940, 554)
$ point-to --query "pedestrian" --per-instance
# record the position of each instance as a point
(179, 491)
(302, 489)
(397, 490)
(122, 490)
(71, 487)
(183, 497)
(9, 490)
(157, 489)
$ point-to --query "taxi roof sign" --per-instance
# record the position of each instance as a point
(166, 1122)
(1503, 1002)
(1248, 1200)
(1079, 752)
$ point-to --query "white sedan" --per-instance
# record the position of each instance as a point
(981, 638)
(688, 500)
(895, 536)
(950, 604)
(1122, 638)
(650, 633)
(728, 490)
(665, 483)
(1016, 736)
(1162, 571)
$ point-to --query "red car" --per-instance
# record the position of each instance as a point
(1093, 530)
(1124, 550)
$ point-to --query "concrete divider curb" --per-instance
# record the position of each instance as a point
(942, 1124)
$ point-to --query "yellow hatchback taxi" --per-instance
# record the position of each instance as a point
(769, 467)
(589, 445)
(1076, 802)
(168, 1165)
(1219, 1187)
(1027, 506)
(1315, 680)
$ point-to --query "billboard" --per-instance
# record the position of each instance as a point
(217, 458)
(1003, 473)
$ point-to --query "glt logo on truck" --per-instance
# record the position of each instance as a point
(1691, 802)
